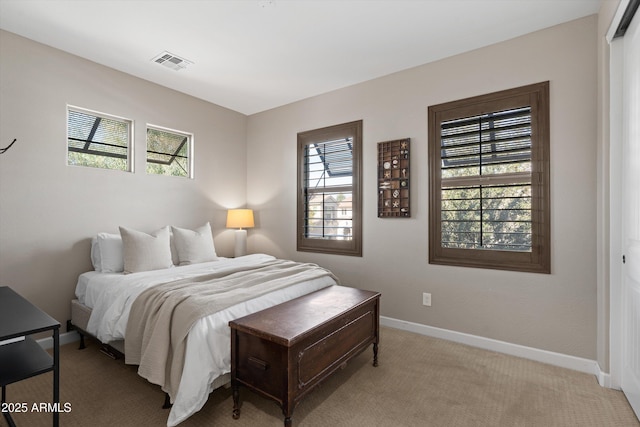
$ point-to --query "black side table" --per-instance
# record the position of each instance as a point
(25, 358)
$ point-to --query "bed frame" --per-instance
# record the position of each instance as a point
(80, 314)
(80, 319)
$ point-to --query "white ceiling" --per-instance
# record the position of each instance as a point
(252, 55)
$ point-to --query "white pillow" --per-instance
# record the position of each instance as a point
(194, 246)
(144, 252)
(106, 253)
(95, 254)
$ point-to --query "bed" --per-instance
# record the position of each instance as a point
(106, 300)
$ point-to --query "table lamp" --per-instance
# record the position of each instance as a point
(240, 219)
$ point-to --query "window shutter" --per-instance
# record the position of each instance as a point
(336, 156)
(327, 183)
(486, 181)
(487, 144)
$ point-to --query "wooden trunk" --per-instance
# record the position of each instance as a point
(283, 352)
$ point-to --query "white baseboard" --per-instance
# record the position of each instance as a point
(557, 359)
(604, 379)
(65, 338)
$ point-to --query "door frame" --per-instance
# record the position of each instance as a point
(616, 240)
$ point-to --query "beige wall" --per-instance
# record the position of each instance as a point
(554, 312)
(49, 211)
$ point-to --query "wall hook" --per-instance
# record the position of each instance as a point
(4, 150)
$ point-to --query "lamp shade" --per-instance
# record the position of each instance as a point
(240, 218)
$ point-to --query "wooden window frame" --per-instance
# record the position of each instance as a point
(353, 246)
(538, 260)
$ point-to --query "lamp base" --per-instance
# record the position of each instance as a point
(241, 243)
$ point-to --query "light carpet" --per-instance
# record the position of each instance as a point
(420, 381)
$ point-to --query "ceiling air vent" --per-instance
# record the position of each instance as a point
(172, 61)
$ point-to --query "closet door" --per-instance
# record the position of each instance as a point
(629, 301)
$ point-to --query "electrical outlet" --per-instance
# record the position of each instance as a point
(426, 299)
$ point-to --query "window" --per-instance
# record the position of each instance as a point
(489, 181)
(168, 152)
(98, 140)
(329, 196)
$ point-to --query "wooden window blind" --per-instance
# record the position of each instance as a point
(486, 181)
(328, 189)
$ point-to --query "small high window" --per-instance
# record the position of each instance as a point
(98, 140)
(169, 152)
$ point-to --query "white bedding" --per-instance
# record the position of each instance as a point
(208, 353)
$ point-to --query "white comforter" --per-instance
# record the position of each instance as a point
(208, 353)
